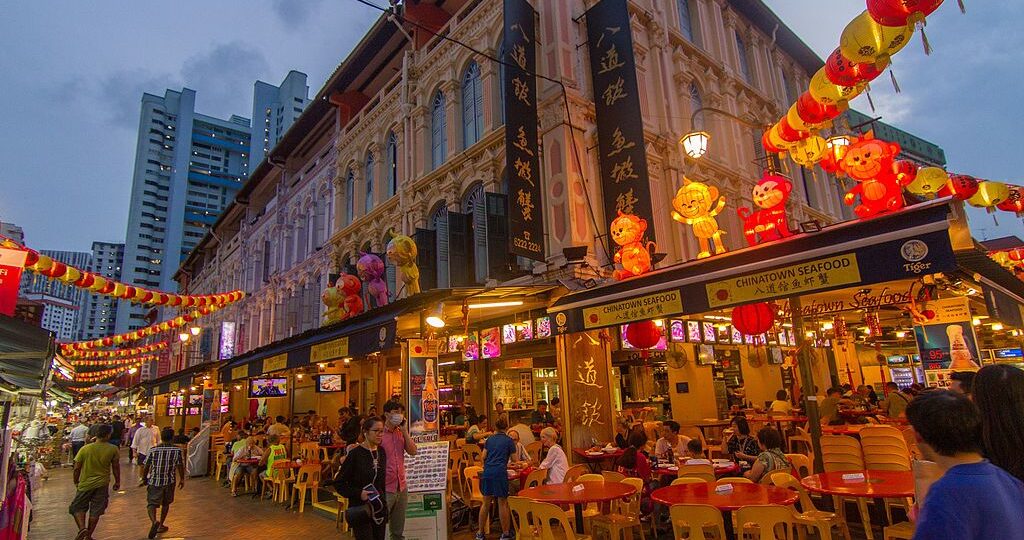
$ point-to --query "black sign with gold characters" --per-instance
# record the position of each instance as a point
(620, 131)
(522, 152)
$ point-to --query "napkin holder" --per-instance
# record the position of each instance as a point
(577, 489)
(853, 477)
(723, 489)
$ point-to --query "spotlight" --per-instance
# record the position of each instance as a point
(436, 317)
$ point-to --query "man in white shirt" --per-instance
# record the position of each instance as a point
(279, 428)
(78, 435)
(146, 437)
(671, 445)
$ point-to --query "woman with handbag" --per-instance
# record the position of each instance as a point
(361, 479)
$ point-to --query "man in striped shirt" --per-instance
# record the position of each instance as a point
(158, 472)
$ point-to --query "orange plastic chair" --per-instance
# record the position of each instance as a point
(623, 516)
(809, 515)
(771, 521)
(308, 479)
(476, 497)
(695, 521)
(574, 472)
(534, 450)
(612, 476)
(536, 478)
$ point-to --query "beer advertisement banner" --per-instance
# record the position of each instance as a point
(522, 152)
(424, 398)
(946, 340)
(620, 132)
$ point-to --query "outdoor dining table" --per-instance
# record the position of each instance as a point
(722, 467)
(709, 423)
(592, 492)
(742, 494)
(876, 485)
(843, 429)
(292, 464)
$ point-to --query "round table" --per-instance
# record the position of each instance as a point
(742, 495)
(591, 492)
(843, 429)
(291, 464)
(594, 459)
(876, 484)
(721, 469)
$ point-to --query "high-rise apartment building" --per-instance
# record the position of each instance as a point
(274, 109)
(62, 302)
(100, 311)
(12, 231)
(188, 167)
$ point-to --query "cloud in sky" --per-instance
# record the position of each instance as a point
(294, 13)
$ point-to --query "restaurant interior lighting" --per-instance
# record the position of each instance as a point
(183, 337)
(900, 334)
(695, 144)
(436, 317)
(997, 327)
(192, 388)
(238, 387)
(298, 376)
(194, 330)
(131, 371)
(827, 326)
(497, 304)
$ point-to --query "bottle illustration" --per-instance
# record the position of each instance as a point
(959, 354)
(429, 402)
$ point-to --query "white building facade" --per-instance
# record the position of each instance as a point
(100, 311)
(274, 110)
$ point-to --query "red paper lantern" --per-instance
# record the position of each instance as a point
(765, 142)
(812, 112)
(31, 258)
(788, 133)
(901, 12)
(961, 186)
(753, 319)
(842, 71)
(906, 171)
(1015, 255)
(643, 335)
(107, 288)
(1015, 202)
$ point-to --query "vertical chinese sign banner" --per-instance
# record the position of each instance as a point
(11, 263)
(589, 394)
(522, 153)
(620, 130)
(424, 397)
(946, 341)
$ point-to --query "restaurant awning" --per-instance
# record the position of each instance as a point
(905, 244)
(177, 380)
(25, 354)
(1003, 291)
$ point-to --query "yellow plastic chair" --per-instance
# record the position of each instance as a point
(841, 453)
(574, 473)
(221, 461)
(308, 479)
(803, 438)
(460, 442)
(455, 478)
(770, 521)
(276, 480)
(612, 476)
(534, 450)
(476, 497)
(312, 451)
(522, 518)
(704, 472)
(590, 510)
(695, 521)
(536, 478)
(623, 515)
(903, 530)
(809, 515)
(553, 523)
(801, 463)
(590, 477)
(472, 454)
(733, 480)
(687, 480)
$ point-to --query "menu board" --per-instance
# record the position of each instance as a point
(428, 469)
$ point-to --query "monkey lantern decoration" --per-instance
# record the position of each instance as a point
(769, 221)
(696, 204)
(633, 254)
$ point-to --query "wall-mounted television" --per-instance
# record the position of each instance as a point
(705, 355)
(332, 382)
(268, 387)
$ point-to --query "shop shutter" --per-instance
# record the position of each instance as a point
(498, 256)
(479, 251)
(459, 246)
(441, 241)
(426, 241)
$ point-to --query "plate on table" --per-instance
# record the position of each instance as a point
(722, 462)
(609, 450)
(672, 468)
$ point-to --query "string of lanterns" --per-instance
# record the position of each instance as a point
(97, 284)
(136, 335)
(114, 362)
(72, 354)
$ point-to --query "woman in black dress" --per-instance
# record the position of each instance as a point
(361, 480)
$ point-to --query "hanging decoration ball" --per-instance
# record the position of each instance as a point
(808, 151)
(901, 12)
(960, 186)
(813, 112)
(643, 335)
(753, 319)
(864, 40)
(989, 194)
(85, 281)
(844, 72)
(827, 92)
(928, 181)
(1014, 202)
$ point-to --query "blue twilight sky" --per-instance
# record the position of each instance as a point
(74, 74)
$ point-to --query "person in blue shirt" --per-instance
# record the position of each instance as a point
(494, 479)
(973, 499)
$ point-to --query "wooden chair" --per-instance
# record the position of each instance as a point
(687, 480)
(809, 515)
(623, 515)
(534, 450)
(474, 498)
(553, 523)
(574, 472)
(473, 455)
(612, 476)
(771, 521)
(522, 518)
(536, 478)
(704, 472)
(695, 521)
(801, 463)
(308, 479)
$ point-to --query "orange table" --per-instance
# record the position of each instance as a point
(721, 468)
(591, 492)
(290, 464)
(876, 484)
(741, 495)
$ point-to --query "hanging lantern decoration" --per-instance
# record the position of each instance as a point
(864, 40)
(777, 141)
(794, 120)
(901, 12)
(753, 319)
(839, 327)
(815, 113)
(1014, 201)
(844, 72)
(1015, 254)
(829, 93)
(960, 186)
(874, 325)
(928, 181)
(788, 133)
(989, 194)
(643, 335)
(906, 171)
(769, 146)
(808, 151)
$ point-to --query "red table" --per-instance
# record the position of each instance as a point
(591, 492)
(721, 469)
(876, 485)
(742, 495)
(843, 429)
(291, 464)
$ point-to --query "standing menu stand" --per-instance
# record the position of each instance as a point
(426, 517)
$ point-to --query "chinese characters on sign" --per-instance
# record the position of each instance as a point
(526, 220)
(617, 103)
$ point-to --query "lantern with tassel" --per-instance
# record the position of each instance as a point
(643, 335)
(808, 151)
(928, 181)
(960, 186)
(788, 133)
(844, 72)
(1014, 201)
(753, 319)
(901, 12)
(864, 40)
(989, 194)
(815, 113)
(829, 93)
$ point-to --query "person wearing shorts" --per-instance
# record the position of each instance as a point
(94, 464)
(162, 462)
(494, 479)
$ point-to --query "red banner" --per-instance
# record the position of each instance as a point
(11, 263)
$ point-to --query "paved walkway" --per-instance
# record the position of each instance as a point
(202, 510)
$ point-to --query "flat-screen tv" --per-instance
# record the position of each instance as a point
(268, 387)
(332, 382)
(195, 400)
(705, 355)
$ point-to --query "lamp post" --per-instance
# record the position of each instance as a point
(695, 144)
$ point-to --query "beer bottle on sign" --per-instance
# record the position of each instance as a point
(429, 402)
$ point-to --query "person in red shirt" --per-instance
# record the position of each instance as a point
(396, 443)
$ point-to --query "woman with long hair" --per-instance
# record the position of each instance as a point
(999, 395)
(633, 461)
(361, 479)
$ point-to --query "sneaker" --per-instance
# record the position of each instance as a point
(479, 536)
(153, 529)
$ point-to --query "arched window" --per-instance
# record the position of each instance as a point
(370, 164)
(685, 22)
(438, 133)
(696, 103)
(391, 164)
(350, 197)
(741, 51)
(472, 105)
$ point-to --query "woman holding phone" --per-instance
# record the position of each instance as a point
(361, 479)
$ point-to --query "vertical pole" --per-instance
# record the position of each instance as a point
(807, 381)
(291, 411)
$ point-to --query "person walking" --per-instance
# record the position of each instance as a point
(361, 479)
(94, 464)
(494, 480)
(116, 431)
(396, 442)
(161, 463)
(77, 437)
(146, 437)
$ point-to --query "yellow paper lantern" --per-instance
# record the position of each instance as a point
(71, 276)
(808, 151)
(43, 264)
(795, 121)
(928, 181)
(777, 140)
(97, 283)
(989, 194)
(864, 40)
(119, 290)
(827, 92)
